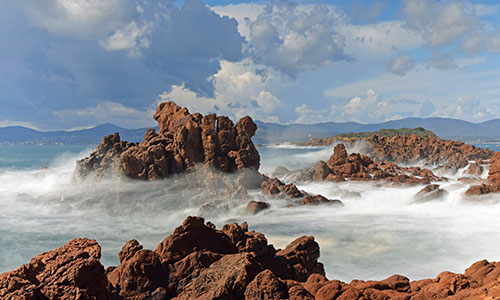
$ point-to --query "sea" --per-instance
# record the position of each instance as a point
(380, 233)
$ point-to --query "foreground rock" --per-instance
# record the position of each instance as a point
(493, 185)
(358, 167)
(200, 262)
(183, 140)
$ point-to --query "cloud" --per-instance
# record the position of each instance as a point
(65, 55)
(81, 19)
(293, 39)
(401, 64)
(371, 108)
(451, 23)
(468, 108)
(309, 116)
(108, 112)
(241, 88)
(131, 38)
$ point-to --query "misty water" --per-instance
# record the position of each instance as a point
(372, 237)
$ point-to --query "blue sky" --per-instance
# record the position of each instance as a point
(68, 64)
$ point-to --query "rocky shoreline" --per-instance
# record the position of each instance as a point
(198, 261)
(209, 157)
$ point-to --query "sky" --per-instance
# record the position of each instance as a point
(71, 64)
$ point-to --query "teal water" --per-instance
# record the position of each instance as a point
(33, 157)
(372, 237)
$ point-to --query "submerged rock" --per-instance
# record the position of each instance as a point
(183, 140)
(429, 193)
(255, 207)
(200, 262)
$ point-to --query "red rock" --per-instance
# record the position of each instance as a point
(429, 193)
(266, 286)
(319, 200)
(70, 272)
(193, 235)
(183, 140)
(225, 279)
(303, 254)
(140, 275)
(493, 185)
(321, 171)
(255, 207)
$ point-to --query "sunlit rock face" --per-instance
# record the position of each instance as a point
(198, 261)
(183, 140)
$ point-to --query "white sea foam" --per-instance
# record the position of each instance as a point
(371, 237)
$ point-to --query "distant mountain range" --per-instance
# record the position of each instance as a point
(23, 135)
(267, 133)
(445, 128)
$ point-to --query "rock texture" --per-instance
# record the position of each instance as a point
(409, 149)
(430, 150)
(200, 262)
(183, 140)
(429, 193)
(275, 188)
(343, 166)
(493, 185)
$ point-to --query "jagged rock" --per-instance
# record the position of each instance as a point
(255, 207)
(70, 272)
(139, 275)
(493, 185)
(430, 150)
(343, 166)
(474, 169)
(249, 269)
(429, 193)
(319, 200)
(183, 140)
(303, 254)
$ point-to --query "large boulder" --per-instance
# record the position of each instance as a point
(70, 272)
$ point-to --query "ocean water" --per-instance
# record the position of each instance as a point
(372, 237)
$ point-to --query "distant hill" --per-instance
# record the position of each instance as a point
(23, 135)
(365, 134)
(268, 133)
(445, 128)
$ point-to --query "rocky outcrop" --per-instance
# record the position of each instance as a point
(200, 262)
(493, 185)
(255, 207)
(275, 188)
(358, 167)
(183, 140)
(70, 272)
(429, 193)
(430, 150)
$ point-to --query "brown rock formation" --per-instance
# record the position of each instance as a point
(343, 166)
(183, 140)
(277, 189)
(493, 185)
(200, 262)
(429, 150)
(255, 207)
(70, 272)
(429, 193)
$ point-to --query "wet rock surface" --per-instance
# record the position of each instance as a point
(199, 261)
(429, 193)
(428, 150)
(342, 166)
(493, 184)
(275, 188)
(183, 140)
